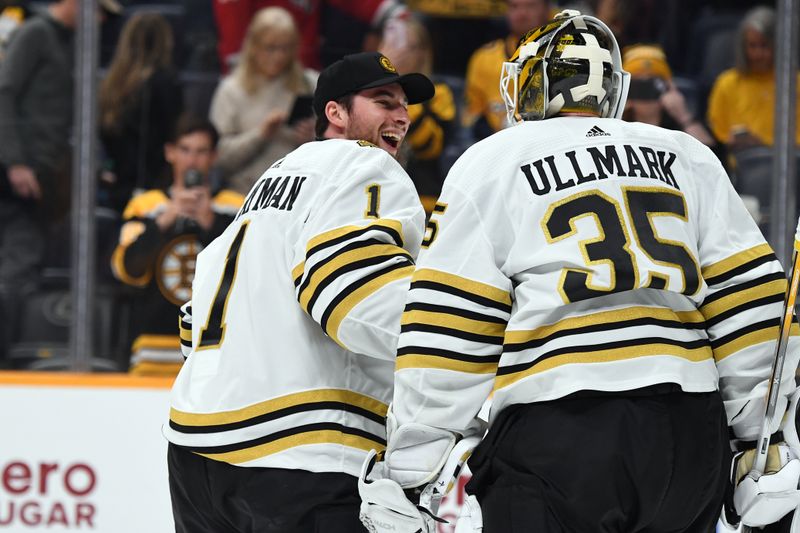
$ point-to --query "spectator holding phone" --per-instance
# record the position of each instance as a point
(653, 97)
(741, 107)
(162, 233)
(251, 106)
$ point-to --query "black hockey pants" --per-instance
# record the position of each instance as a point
(653, 461)
(214, 497)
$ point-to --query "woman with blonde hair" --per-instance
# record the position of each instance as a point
(251, 106)
(140, 102)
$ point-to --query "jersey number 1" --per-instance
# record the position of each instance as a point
(213, 332)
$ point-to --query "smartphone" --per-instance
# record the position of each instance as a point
(646, 89)
(301, 109)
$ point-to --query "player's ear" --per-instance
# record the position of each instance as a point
(336, 114)
(169, 152)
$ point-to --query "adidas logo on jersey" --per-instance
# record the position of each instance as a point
(597, 132)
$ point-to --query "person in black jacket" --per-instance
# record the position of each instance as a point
(163, 231)
(140, 102)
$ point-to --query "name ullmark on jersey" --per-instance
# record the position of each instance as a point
(273, 192)
(610, 161)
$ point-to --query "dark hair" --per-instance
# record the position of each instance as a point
(322, 122)
(188, 124)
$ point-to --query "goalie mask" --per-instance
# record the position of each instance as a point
(572, 64)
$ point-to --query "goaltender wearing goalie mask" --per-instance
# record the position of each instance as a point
(570, 65)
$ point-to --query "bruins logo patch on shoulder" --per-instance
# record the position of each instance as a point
(387, 65)
(366, 144)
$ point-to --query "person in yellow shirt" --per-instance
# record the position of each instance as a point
(741, 107)
(485, 112)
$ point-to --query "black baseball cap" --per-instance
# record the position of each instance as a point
(366, 70)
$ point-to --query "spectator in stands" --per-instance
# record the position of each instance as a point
(163, 231)
(251, 106)
(653, 98)
(741, 107)
(140, 101)
(407, 44)
(485, 112)
(233, 18)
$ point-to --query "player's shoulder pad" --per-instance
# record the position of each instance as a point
(144, 203)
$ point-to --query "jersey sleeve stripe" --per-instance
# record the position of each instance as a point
(455, 311)
(364, 403)
(453, 332)
(694, 351)
(352, 257)
(449, 354)
(392, 228)
(743, 299)
(492, 330)
(752, 334)
(322, 433)
(477, 291)
(604, 321)
(721, 293)
(357, 291)
(738, 263)
(417, 361)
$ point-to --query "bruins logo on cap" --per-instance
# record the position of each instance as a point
(387, 65)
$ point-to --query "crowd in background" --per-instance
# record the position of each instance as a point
(197, 99)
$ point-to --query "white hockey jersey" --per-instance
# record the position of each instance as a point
(295, 314)
(588, 254)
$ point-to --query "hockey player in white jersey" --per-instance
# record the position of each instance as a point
(601, 283)
(292, 331)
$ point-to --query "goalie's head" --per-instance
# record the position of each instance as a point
(572, 64)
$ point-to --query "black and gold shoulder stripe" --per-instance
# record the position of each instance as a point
(742, 297)
(737, 264)
(693, 351)
(453, 322)
(427, 357)
(602, 322)
(474, 291)
(320, 433)
(353, 256)
(393, 229)
(355, 292)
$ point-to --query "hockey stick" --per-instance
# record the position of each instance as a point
(760, 461)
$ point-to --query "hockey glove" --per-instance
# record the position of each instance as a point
(385, 507)
(765, 499)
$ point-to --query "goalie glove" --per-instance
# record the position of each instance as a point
(764, 499)
(385, 507)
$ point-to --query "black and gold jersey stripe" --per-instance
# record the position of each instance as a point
(694, 351)
(476, 292)
(427, 357)
(602, 322)
(365, 258)
(735, 299)
(452, 321)
(273, 410)
(722, 271)
(320, 433)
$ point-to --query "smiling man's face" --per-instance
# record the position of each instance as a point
(380, 116)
